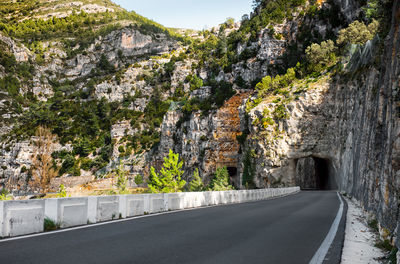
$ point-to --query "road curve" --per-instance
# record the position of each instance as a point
(283, 230)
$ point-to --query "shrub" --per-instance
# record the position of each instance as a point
(62, 192)
(358, 33)
(196, 184)
(168, 180)
(220, 182)
(269, 84)
(122, 179)
(4, 195)
(280, 112)
(50, 225)
(139, 179)
(321, 55)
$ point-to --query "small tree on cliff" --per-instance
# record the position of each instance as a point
(42, 163)
(168, 180)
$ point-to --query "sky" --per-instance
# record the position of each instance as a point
(193, 14)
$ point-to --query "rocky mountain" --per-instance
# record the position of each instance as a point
(298, 93)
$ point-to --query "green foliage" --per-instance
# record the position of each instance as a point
(168, 180)
(139, 179)
(358, 33)
(269, 84)
(195, 82)
(220, 182)
(50, 225)
(248, 171)
(321, 55)
(62, 192)
(196, 184)
(280, 112)
(5, 195)
(122, 179)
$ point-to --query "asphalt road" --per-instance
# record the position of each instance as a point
(283, 230)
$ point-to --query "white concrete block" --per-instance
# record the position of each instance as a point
(135, 205)
(122, 206)
(73, 211)
(176, 201)
(51, 209)
(1, 219)
(23, 217)
(73, 214)
(207, 198)
(107, 208)
(157, 203)
(92, 209)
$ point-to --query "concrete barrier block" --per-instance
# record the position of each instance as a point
(135, 205)
(157, 203)
(188, 201)
(107, 208)
(176, 201)
(92, 209)
(197, 199)
(23, 217)
(1, 218)
(122, 206)
(72, 211)
(223, 197)
(207, 198)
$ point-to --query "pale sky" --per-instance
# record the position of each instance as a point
(194, 14)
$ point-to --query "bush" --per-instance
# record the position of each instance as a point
(122, 179)
(168, 180)
(51, 225)
(280, 112)
(62, 192)
(269, 84)
(321, 55)
(220, 182)
(358, 33)
(139, 179)
(196, 184)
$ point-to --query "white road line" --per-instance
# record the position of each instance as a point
(323, 249)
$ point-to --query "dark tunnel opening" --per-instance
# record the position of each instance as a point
(314, 173)
(232, 172)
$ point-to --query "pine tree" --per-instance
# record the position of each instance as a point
(196, 185)
(221, 180)
(168, 180)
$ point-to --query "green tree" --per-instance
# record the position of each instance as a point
(196, 185)
(220, 182)
(138, 179)
(321, 55)
(168, 180)
(122, 179)
(358, 33)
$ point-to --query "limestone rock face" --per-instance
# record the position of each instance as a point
(21, 53)
(204, 142)
(350, 124)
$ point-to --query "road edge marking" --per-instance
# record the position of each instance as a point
(319, 256)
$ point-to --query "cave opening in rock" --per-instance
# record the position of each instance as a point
(313, 173)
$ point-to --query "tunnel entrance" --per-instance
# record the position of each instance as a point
(314, 173)
(233, 179)
(232, 172)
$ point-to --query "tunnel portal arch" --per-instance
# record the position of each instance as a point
(315, 173)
